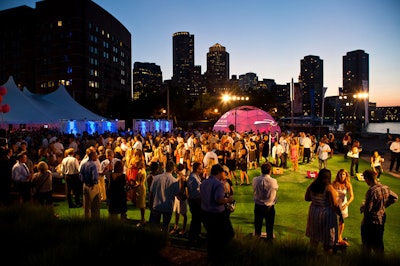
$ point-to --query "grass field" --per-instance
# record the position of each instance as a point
(291, 208)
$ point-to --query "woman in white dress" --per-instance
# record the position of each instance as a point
(345, 195)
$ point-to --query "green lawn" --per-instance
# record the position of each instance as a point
(292, 209)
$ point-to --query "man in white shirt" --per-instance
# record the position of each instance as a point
(307, 148)
(70, 172)
(209, 155)
(58, 147)
(264, 190)
(22, 176)
(395, 154)
(277, 152)
(323, 154)
(190, 143)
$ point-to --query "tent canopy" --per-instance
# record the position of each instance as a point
(57, 109)
(68, 110)
(29, 108)
(247, 118)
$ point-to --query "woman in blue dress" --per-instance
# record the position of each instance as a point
(322, 218)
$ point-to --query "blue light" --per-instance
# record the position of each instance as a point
(143, 128)
(91, 127)
(72, 127)
(109, 126)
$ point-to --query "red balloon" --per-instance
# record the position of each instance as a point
(5, 108)
(1, 98)
(3, 91)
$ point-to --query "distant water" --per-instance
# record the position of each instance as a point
(394, 128)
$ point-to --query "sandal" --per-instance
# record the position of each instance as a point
(173, 231)
(344, 243)
(141, 223)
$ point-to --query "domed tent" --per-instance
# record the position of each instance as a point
(246, 119)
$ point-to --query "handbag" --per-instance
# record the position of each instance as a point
(230, 206)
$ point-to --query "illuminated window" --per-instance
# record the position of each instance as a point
(59, 23)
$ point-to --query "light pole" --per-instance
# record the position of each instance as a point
(226, 98)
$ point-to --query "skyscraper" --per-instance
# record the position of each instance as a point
(74, 43)
(312, 79)
(356, 86)
(217, 67)
(147, 79)
(183, 58)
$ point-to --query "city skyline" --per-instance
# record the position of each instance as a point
(268, 38)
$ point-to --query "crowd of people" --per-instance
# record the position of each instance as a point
(167, 173)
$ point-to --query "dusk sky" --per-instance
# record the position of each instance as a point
(269, 37)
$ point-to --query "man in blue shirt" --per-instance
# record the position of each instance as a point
(163, 190)
(194, 200)
(89, 175)
(217, 223)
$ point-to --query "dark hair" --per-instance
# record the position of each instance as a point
(170, 166)
(322, 180)
(196, 166)
(92, 155)
(154, 167)
(180, 167)
(369, 174)
(216, 169)
(118, 167)
(266, 168)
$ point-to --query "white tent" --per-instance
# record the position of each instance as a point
(22, 109)
(55, 109)
(62, 106)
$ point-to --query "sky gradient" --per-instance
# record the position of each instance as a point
(269, 37)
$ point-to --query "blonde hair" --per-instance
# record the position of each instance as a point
(42, 166)
(347, 182)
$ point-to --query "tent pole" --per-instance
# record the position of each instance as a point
(235, 119)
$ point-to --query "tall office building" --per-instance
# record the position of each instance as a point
(183, 58)
(17, 31)
(282, 96)
(247, 82)
(312, 79)
(147, 79)
(217, 68)
(356, 86)
(74, 43)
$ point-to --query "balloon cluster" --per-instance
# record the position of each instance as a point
(5, 108)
